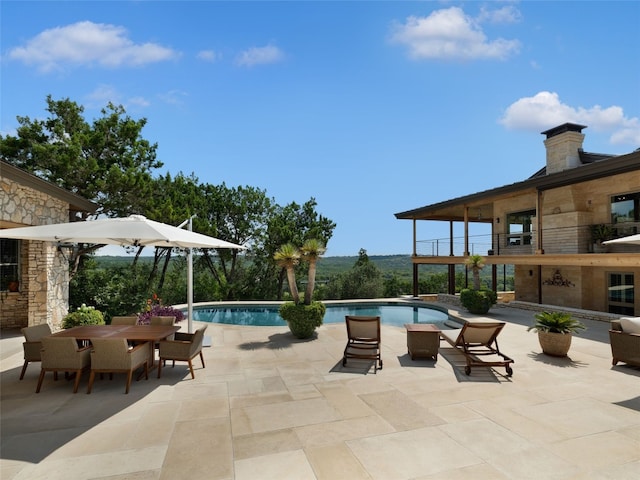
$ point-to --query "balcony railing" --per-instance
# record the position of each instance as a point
(564, 240)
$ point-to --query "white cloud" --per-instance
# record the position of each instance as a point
(174, 97)
(450, 34)
(208, 56)
(506, 14)
(88, 43)
(545, 110)
(259, 56)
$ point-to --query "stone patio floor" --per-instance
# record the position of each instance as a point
(268, 406)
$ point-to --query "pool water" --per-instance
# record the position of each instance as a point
(265, 316)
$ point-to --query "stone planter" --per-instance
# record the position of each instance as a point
(555, 344)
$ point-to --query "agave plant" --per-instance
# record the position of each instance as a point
(556, 322)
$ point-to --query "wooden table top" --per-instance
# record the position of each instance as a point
(130, 332)
(421, 327)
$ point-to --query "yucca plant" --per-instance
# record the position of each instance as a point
(556, 322)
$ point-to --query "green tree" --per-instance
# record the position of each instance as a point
(364, 280)
(311, 251)
(476, 263)
(106, 161)
(288, 256)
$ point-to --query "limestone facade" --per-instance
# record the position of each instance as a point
(43, 294)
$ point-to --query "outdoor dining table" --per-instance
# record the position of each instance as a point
(132, 333)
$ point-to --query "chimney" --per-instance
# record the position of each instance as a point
(563, 144)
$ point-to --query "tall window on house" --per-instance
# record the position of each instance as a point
(9, 262)
(621, 294)
(519, 227)
(625, 213)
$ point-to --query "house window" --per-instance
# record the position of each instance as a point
(519, 227)
(9, 262)
(625, 213)
(621, 293)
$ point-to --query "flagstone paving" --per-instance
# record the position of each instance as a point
(268, 406)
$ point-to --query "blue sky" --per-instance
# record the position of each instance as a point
(372, 108)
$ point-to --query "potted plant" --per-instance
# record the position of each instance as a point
(13, 285)
(601, 233)
(555, 330)
(302, 317)
(477, 300)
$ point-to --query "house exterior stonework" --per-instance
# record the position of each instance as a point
(545, 227)
(43, 295)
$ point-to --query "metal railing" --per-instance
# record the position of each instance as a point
(562, 240)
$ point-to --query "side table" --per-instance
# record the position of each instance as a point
(423, 340)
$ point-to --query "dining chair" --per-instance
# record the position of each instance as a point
(113, 355)
(127, 320)
(33, 344)
(185, 347)
(62, 354)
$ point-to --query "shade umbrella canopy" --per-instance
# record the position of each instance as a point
(135, 230)
(630, 240)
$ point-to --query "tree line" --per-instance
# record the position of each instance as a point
(108, 161)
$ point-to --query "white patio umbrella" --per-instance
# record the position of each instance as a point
(631, 240)
(135, 230)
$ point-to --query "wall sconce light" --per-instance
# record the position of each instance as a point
(531, 273)
(498, 220)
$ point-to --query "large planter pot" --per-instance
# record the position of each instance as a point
(555, 344)
(303, 319)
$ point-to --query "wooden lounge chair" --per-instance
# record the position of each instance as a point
(477, 339)
(33, 344)
(363, 339)
(185, 347)
(113, 355)
(61, 354)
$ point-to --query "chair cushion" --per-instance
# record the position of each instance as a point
(630, 324)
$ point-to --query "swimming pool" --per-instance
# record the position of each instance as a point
(391, 313)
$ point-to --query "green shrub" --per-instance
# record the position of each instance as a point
(478, 301)
(303, 319)
(83, 316)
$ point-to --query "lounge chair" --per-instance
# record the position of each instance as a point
(185, 347)
(477, 339)
(113, 355)
(33, 344)
(62, 354)
(363, 339)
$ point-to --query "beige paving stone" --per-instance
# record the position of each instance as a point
(345, 401)
(611, 472)
(199, 449)
(476, 472)
(255, 445)
(342, 430)
(598, 450)
(96, 466)
(260, 399)
(547, 465)
(206, 407)
(454, 413)
(278, 416)
(485, 438)
(579, 417)
(291, 465)
(334, 462)
(400, 411)
(410, 454)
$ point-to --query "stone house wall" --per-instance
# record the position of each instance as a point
(44, 292)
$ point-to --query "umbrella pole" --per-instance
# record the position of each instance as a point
(190, 283)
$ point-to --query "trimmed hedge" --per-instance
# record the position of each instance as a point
(303, 319)
(478, 301)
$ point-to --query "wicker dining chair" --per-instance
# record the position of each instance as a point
(113, 355)
(33, 344)
(128, 320)
(185, 347)
(62, 354)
